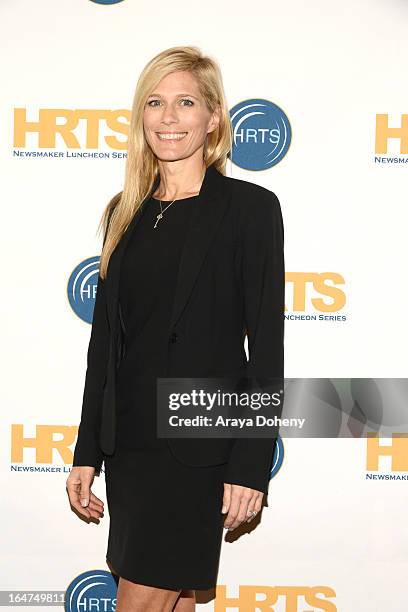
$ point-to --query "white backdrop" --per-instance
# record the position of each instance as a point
(333, 67)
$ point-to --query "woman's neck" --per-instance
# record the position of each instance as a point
(179, 184)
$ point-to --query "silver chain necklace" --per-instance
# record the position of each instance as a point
(160, 215)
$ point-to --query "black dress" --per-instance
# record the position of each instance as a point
(166, 524)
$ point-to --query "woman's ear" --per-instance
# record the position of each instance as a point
(215, 119)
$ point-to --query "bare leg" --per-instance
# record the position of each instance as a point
(132, 597)
(185, 602)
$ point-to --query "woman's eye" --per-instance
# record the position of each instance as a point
(190, 102)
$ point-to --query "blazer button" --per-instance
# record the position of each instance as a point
(173, 337)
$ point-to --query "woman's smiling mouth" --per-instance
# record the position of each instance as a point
(172, 136)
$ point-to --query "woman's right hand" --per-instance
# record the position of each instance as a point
(80, 495)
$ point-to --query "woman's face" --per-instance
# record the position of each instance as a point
(176, 119)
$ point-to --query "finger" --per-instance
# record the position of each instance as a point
(84, 494)
(246, 496)
(235, 503)
(73, 487)
(80, 487)
(98, 502)
(84, 511)
(251, 509)
(95, 508)
(254, 506)
(80, 496)
(91, 511)
(227, 498)
(95, 512)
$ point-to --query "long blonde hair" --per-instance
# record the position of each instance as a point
(141, 164)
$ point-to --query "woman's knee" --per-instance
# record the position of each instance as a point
(135, 597)
(186, 601)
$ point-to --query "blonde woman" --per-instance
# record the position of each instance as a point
(192, 261)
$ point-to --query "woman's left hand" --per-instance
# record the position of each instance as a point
(240, 502)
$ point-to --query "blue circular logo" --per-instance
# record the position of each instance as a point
(93, 590)
(262, 134)
(82, 286)
(106, 1)
(277, 459)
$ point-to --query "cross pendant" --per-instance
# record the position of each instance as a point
(159, 216)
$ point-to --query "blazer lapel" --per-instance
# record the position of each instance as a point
(209, 208)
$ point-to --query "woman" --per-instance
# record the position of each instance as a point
(191, 261)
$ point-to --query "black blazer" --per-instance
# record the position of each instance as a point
(231, 281)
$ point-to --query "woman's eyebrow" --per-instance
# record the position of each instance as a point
(179, 94)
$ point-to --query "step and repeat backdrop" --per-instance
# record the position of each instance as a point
(318, 100)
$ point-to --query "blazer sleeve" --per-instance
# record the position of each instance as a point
(263, 275)
(87, 450)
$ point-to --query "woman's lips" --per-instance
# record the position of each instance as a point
(170, 136)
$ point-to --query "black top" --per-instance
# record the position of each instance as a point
(146, 293)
